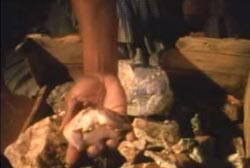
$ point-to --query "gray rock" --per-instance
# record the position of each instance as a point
(147, 89)
(161, 134)
(40, 146)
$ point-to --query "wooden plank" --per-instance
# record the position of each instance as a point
(65, 50)
(40, 108)
(247, 118)
(206, 62)
(186, 79)
(229, 46)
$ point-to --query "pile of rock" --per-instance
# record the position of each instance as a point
(162, 143)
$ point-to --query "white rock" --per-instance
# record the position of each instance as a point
(147, 89)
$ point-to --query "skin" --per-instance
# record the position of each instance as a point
(100, 85)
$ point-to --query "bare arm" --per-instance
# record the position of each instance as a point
(98, 30)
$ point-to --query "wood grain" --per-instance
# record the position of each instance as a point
(247, 117)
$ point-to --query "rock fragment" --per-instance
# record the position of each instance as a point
(147, 89)
(40, 146)
(161, 134)
(130, 149)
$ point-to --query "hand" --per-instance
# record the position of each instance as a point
(99, 90)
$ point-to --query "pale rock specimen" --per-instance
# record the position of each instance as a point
(40, 146)
(147, 89)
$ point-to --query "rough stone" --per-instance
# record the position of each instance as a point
(130, 149)
(184, 145)
(147, 89)
(56, 98)
(204, 150)
(167, 159)
(40, 146)
(161, 134)
(140, 165)
(233, 108)
(237, 160)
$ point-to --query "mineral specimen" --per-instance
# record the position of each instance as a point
(161, 134)
(147, 89)
(40, 146)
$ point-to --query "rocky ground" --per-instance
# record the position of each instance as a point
(182, 137)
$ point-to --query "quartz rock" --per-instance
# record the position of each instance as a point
(161, 134)
(40, 146)
(130, 149)
(147, 89)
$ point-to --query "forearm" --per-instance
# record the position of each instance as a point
(98, 29)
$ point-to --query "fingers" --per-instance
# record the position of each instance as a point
(112, 143)
(72, 106)
(94, 150)
(72, 155)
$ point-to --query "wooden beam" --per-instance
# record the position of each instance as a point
(39, 110)
(247, 117)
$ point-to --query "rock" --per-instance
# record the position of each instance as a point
(237, 160)
(40, 146)
(130, 149)
(239, 146)
(184, 145)
(140, 165)
(147, 89)
(56, 98)
(233, 109)
(161, 134)
(196, 124)
(204, 150)
(167, 159)
(96, 123)
(162, 159)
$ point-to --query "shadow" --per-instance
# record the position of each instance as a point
(195, 92)
(46, 69)
(4, 162)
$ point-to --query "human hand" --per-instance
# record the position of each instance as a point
(99, 90)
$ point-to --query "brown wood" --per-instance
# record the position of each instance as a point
(247, 118)
(65, 50)
(221, 62)
(204, 61)
(228, 46)
(39, 110)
